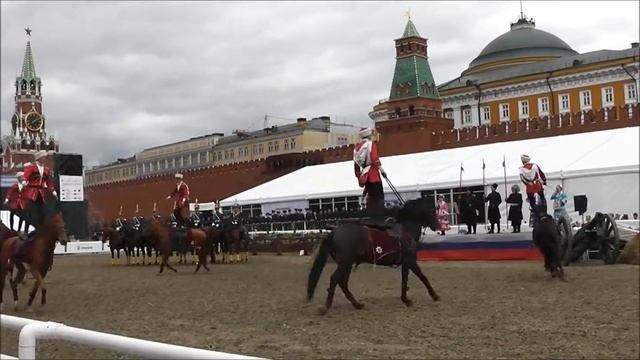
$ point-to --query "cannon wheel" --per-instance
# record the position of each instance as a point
(609, 240)
(566, 236)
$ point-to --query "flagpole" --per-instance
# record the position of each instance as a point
(484, 195)
(506, 207)
(460, 197)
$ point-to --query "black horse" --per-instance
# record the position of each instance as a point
(553, 240)
(357, 243)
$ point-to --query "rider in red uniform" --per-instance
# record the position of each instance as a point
(17, 202)
(367, 168)
(534, 180)
(181, 201)
(40, 191)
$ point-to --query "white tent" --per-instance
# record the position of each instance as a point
(604, 165)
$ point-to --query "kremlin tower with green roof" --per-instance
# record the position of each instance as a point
(414, 106)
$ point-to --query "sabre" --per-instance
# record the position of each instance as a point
(395, 192)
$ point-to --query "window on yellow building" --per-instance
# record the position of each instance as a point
(486, 114)
(523, 109)
(563, 99)
(260, 148)
(270, 147)
(631, 94)
(255, 149)
(607, 96)
(292, 143)
(585, 100)
(543, 106)
(466, 116)
(276, 145)
(504, 112)
(286, 144)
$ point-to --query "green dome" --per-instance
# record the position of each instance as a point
(522, 41)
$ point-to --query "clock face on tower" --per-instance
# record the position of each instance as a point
(34, 121)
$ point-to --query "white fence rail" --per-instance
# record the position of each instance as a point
(33, 330)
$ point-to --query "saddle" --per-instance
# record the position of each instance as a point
(22, 241)
(387, 244)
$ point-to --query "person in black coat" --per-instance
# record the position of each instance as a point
(468, 211)
(494, 200)
(515, 208)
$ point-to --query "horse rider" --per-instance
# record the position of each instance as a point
(120, 222)
(534, 180)
(136, 220)
(17, 203)
(181, 201)
(368, 170)
(40, 191)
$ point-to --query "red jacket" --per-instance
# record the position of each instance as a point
(373, 175)
(16, 199)
(38, 184)
(180, 194)
(533, 177)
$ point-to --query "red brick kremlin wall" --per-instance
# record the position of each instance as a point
(215, 183)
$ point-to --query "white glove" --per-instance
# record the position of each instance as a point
(6, 201)
(168, 197)
(384, 173)
(55, 194)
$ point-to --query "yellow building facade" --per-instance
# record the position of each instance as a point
(528, 73)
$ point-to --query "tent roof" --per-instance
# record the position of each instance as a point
(585, 153)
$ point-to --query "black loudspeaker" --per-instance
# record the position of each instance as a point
(580, 204)
(67, 164)
(75, 213)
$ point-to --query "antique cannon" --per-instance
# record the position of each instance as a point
(600, 234)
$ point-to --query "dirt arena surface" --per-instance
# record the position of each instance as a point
(488, 310)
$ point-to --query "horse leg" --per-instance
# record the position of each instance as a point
(405, 288)
(14, 288)
(118, 252)
(331, 291)
(416, 270)
(3, 275)
(112, 257)
(344, 285)
(34, 291)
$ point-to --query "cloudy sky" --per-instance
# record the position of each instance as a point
(121, 76)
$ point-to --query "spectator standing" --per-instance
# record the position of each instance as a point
(515, 208)
(494, 200)
(443, 215)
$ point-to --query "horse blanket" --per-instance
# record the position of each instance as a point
(386, 249)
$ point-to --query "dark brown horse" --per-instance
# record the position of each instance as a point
(37, 254)
(160, 236)
(235, 242)
(117, 242)
(215, 237)
(350, 244)
(553, 246)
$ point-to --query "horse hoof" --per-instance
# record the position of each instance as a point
(408, 302)
(29, 310)
(323, 311)
(436, 298)
(358, 306)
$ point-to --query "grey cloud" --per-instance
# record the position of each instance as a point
(122, 76)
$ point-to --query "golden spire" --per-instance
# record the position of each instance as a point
(408, 14)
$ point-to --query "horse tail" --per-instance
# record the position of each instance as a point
(318, 264)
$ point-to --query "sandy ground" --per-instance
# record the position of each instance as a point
(488, 310)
